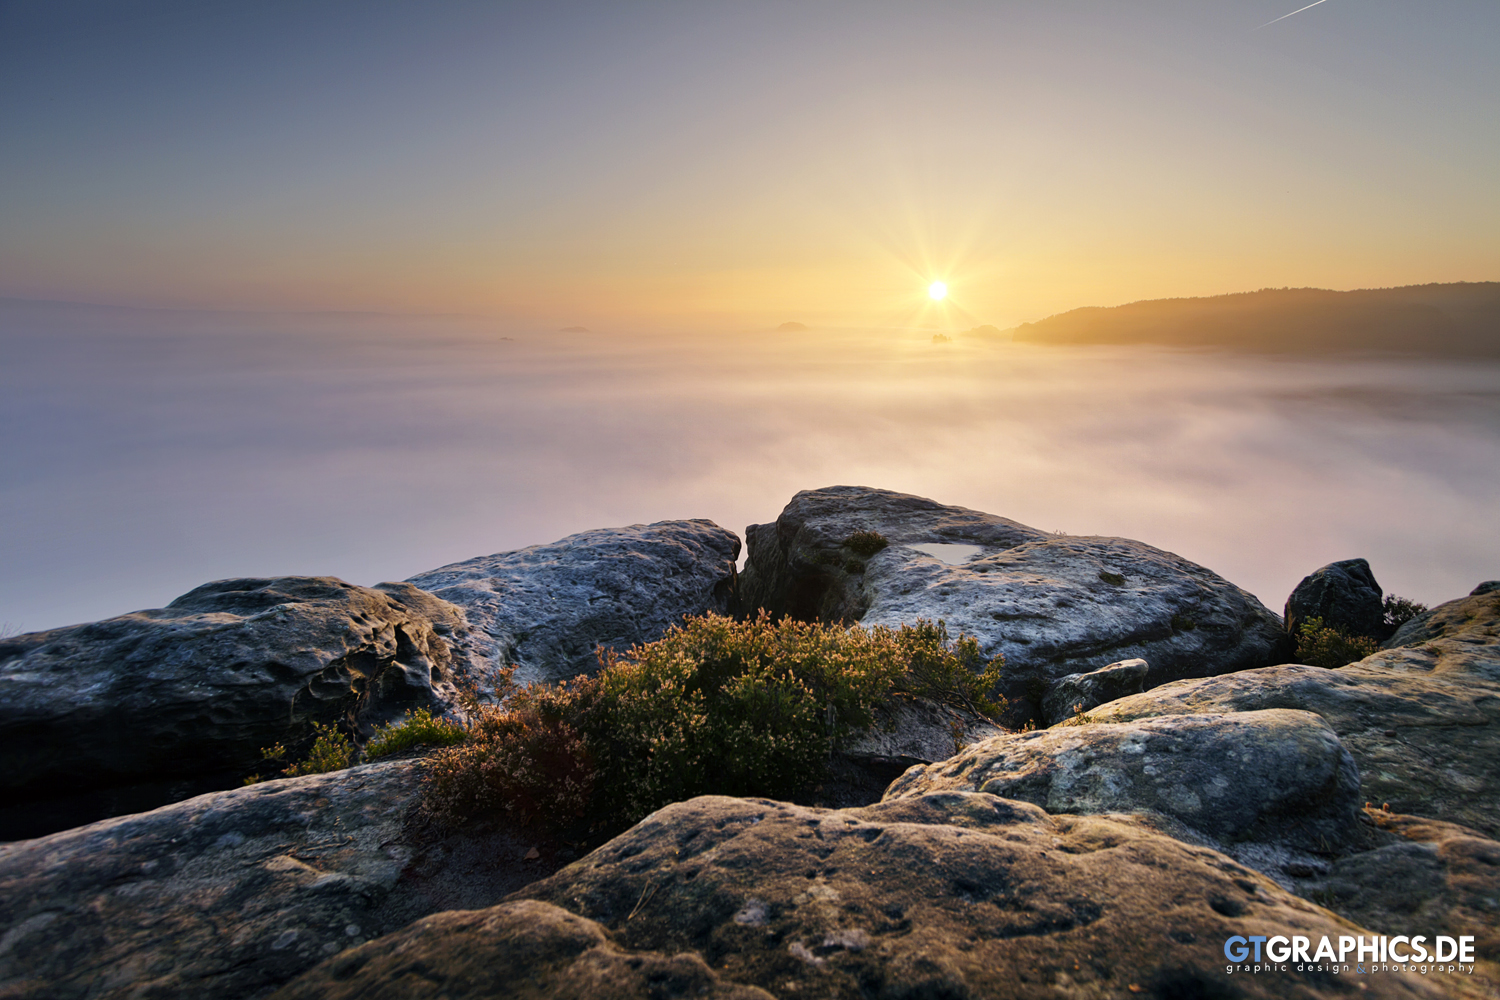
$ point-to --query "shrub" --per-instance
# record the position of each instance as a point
(417, 729)
(331, 751)
(1113, 579)
(714, 706)
(1400, 610)
(1319, 645)
(525, 760)
(866, 543)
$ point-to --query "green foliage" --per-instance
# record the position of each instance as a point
(714, 706)
(1319, 645)
(866, 543)
(954, 674)
(1400, 610)
(417, 729)
(1183, 623)
(1113, 579)
(331, 751)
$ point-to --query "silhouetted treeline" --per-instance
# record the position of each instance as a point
(1461, 319)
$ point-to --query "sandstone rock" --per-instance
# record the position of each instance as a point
(549, 608)
(230, 894)
(1421, 721)
(1345, 595)
(128, 713)
(1052, 605)
(951, 895)
(1487, 587)
(1269, 776)
(1080, 692)
(922, 731)
(1437, 875)
(523, 949)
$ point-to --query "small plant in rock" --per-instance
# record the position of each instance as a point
(417, 729)
(331, 751)
(1113, 579)
(866, 543)
(1400, 610)
(1320, 645)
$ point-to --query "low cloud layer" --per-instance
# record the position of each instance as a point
(145, 453)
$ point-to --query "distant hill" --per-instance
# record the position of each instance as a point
(1460, 319)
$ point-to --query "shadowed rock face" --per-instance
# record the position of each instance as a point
(1052, 605)
(948, 895)
(549, 608)
(1422, 721)
(152, 706)
(227, 895)
(1276, 775)
(1345, 595)
(1077, 693)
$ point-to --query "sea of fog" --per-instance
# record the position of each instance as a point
(146, 452)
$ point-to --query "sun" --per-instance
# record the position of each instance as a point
(937, 290)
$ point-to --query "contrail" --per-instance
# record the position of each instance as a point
(1283, 17)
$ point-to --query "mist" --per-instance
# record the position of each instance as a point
(147, 451)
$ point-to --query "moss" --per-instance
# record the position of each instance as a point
(1113, 579)
(866, 543)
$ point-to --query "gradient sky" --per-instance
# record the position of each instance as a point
(733, 165)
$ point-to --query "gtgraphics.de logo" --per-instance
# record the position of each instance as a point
(1349, 955)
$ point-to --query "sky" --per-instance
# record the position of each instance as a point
(707, 167)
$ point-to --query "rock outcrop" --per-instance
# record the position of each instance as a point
(1435, 875)
(1052, 605)
(1422, 721)
(131, 712)
(1276, 776)
(1077, 693)
(230, 894)
(548, 609)
(1343, 594)
(944, 895)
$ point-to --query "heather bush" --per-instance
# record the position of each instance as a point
(714, 706)
(1320, 645)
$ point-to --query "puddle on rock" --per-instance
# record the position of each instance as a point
(951, 553)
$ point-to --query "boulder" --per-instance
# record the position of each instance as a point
(131, 712)
(230, 894)
(1277, 776)
(1343, 594)
(1077, 693)
(1422, 721)
(1052, 605)
(949, 895)
(548, 609)
(920, 731)
(1436, 875)
(523, 949)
